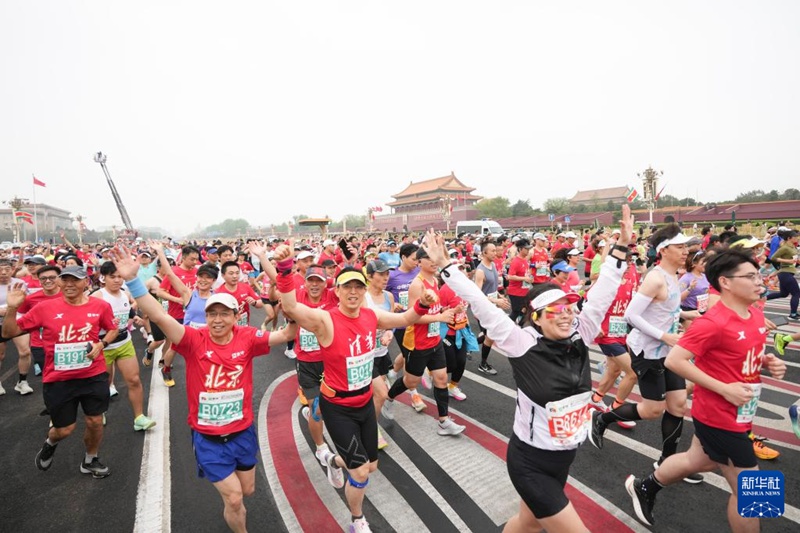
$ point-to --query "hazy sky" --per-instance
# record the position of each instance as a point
(264, 110)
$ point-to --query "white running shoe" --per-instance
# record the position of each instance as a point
(359, 525)
(426, 380)
(112, 390)
(391, 377)
(290, 354)
(335, 473)
(320, 454)
(2, 390)
(23, 388)
(455, 392)
(448, 427)
(388, 410)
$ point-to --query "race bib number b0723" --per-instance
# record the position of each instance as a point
(220, 408)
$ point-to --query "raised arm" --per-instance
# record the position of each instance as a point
(128, 266)
(184, 291)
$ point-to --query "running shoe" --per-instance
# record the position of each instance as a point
(320, 454)
(643, 503)
(600, 406)
(44, 457)
(693, 479)
(335, 474)
(167, 375)
(598, 428)
(794, 316)
(2, 390)
(486, 368)
(781, 340)
(381, 441)
(23, 388)
(388, 409)
(391, 377)
(290, 354)
(359, 525)
(306, 412)
(147, 360)
(417, 403)
(793, 418)
(112, 391)
(762, 451)
(142, 423)
(97, 469)
(303, 399)
(448, 427)
(626, 424)
(426, 380)
(455, 392)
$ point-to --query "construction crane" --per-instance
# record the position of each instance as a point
(100, 157)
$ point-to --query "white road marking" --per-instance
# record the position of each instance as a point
(153, 498)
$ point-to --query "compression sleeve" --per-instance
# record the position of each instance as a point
(633, 315)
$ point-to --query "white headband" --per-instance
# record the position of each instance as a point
(547, 297)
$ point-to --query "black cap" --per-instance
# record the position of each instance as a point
(74, 271)
(377, 265)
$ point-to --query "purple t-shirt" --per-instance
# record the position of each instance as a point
(398, 285)
(700, 290)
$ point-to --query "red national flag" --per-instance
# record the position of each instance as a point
(659, 192)
(23, 214)
(28, 220)
(40, 183)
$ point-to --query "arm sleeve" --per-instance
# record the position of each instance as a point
(509, 339)
(633, 315)
(601, 297)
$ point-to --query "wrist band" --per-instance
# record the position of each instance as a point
(285, 266)
(623, 249)
(421, 309)
(136, 287)
(285, 284)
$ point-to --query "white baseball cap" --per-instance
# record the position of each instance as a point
(225, 299)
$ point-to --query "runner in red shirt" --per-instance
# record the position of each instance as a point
(219, 387)
(519, 279)
(727, 346)
(346, 335)
(187, 273)
(74, 369)
(242, 291)
(48, 276)
(540, 260)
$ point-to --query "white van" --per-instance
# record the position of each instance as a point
(479, 227)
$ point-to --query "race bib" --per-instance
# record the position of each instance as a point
(492, 295)
(359, 371)
(165, 305)
(122, 320)
(702, 302)
(617, 326)
(308, 341)
(220, 408)
(541, 271)
(243, 320)
(403, 298)
(71, 356)
(434, 329)
(568, 419)
(745, 413)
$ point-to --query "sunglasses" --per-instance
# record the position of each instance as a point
(552, 311)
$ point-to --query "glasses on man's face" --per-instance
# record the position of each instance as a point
(47, 278)
(219, 314)
(552, 311)
(752, 276)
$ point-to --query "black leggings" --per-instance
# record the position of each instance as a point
(456, 357)
(788, 285)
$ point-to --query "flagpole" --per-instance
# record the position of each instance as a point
(35, 220)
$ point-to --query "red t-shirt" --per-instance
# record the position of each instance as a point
(427, 336)
(730, 349)
(518, 267)
(31, 282)
(450, 300)
(219, 378)
(188, 277)
(30, 301)
(306, 345)
(66, 329)
(243, 290)
(614, 329)
(540, 262)
(588, 255)
(348, 359)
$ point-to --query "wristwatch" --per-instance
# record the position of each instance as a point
(105, 344)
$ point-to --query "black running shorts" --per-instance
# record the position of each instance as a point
(432, 359)
(353, 430)
(655, 380)
(381, 365)
(309, 376)
(721, 445)
(63, 397)
(539, 476)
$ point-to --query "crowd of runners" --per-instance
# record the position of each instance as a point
(370, 318)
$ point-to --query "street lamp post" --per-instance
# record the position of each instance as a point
(650, 187)
(16, 204)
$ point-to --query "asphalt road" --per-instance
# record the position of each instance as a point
(412, 492)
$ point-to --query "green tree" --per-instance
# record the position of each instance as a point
(229, 227)
(790, 194)
(522, 208)
(496, 207)
(557, 206)
(756, 195)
